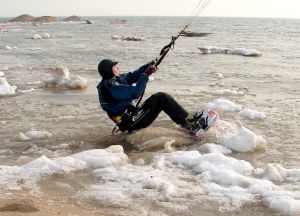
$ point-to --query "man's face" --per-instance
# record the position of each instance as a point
(115, 70)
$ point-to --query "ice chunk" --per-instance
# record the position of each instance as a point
(252, 114)
(34, 135)
(214, 148)
(46, 35)
(224, 104)
(227, 92)
(234, 51)
(127, 38)
(245, 141)
(36, 36)
(61, 79)
(5, 88)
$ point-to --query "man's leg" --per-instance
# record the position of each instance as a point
(151, 108)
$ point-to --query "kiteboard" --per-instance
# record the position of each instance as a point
(208, 118)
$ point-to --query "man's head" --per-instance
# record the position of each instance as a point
(108, 69)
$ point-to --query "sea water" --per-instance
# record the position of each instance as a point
(56, 142)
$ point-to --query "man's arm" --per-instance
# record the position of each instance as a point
(120, 91)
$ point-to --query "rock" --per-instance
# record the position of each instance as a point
(89, 22)
(23, 18)
(72, 19)
(29, 18)
(193, 34)
(44, 19)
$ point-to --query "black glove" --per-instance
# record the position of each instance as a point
(150, 69)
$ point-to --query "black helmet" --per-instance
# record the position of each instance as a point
(105, 68)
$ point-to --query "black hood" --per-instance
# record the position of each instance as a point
(105, 68)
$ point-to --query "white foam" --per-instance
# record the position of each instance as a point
(224, 104)
(252, 114)
(227, 92)
(234, 51)
(34, 135)
(5, 88)
(61, 79)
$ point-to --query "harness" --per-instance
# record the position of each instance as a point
(122, 119)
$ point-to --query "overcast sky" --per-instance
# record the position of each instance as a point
(233, 8)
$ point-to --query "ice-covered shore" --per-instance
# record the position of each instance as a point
(179, 175)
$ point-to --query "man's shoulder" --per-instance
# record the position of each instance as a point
(118, 80)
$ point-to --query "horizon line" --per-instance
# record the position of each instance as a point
(208, 16)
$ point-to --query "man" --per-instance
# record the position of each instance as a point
(117, 92)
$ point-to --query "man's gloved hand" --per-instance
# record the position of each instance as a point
(150, 69)
(150, 63)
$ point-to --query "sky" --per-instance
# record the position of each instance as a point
(227, 8)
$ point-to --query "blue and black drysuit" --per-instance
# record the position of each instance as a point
(116, 94)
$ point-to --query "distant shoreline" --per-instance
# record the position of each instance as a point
(117, 16)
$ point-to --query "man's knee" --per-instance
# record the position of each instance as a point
(162, 95)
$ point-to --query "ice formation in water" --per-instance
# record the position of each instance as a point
(127, 38)
(158, 138)
(231, 137)
(245, 141)
(34, 135)
(61, 79)
(168, 177)
(252, 114)
(234, 51)
(215, 148)
(224, 104)
(38, 36)
(227, 92)
(10, 48)
(5, 88)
